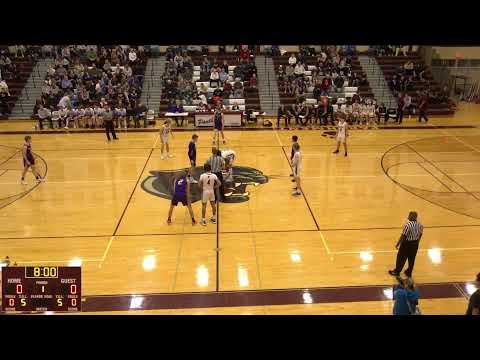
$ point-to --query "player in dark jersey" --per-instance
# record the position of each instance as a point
(181, 193)
(29, 160)
(218, 125)
(192, 156)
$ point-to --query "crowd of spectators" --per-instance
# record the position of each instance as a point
(179, 86)
(9, 70)
(331, 72)
(87, 77)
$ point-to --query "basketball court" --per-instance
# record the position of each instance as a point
(333, 245)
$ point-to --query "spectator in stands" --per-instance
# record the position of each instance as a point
(408, 67)
(253, 81)
(289, 72)
(225, 66)
(237, 89)
(223, 76)
(338, 82)
(292, 60)
(214, 77)
(326, 85)
(244, 53)
(299, 70)
(4, 88)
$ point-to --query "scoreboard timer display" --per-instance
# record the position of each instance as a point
(41, 288)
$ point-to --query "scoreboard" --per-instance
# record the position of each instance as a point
(41, 288)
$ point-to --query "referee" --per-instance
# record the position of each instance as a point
(407, 245)
(217, 163)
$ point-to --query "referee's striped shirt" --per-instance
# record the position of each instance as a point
(412, 230)
(216, 163)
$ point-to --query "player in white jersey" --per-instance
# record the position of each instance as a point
(348, 111)
(121, 115)
(89, 117)
(356, 112)
(165, 132)
(98, 116)
(80, 117)
(230, 155)
(208, 182)
(371, 115)
(363, 113)
(342, 134)
(64, 114)
(296, 167)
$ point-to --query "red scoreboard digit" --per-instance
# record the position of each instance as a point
(41, 288)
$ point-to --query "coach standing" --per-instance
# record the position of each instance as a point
(407, 245)
(108, 121)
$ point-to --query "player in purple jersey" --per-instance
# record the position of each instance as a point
(29, 160)
(181, 193)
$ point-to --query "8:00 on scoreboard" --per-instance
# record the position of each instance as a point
(41, 288)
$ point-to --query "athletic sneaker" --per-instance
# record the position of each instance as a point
(24, 182)
(66, 127)
(336, 152)
(40, 180)
(170, 156)
(296, 193)
(213, 220)
(213, 142)
(169, 221)
(203, 222)
(345, 154)
(162, 157)
(224, 142)
(194, 222)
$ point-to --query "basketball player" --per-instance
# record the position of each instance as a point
(296, 166)
(192, 156)
(342, 134)
(208, 183)
(356, 112)
(294, 141)
(348, 111)
(29, 160)
(121, 114)
(98, 116)
(371, 115)
(89, 114)
(80, 117)
(363, 113)
(218, 125)
(229, 154)
(165, 132)
(181, 193)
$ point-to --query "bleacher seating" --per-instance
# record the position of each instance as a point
(287, 99)
(16, 83)
(250, 100)
(391, 65)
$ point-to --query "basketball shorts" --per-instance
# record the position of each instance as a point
(208, 195)
(164, 139)
(341, 139)
(296, 171)
(31, 160)
(176, 199)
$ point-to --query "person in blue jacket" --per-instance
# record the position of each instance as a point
(406, 296)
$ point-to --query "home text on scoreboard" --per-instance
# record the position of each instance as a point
(41, 288)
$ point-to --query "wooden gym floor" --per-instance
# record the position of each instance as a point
(333, 245)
